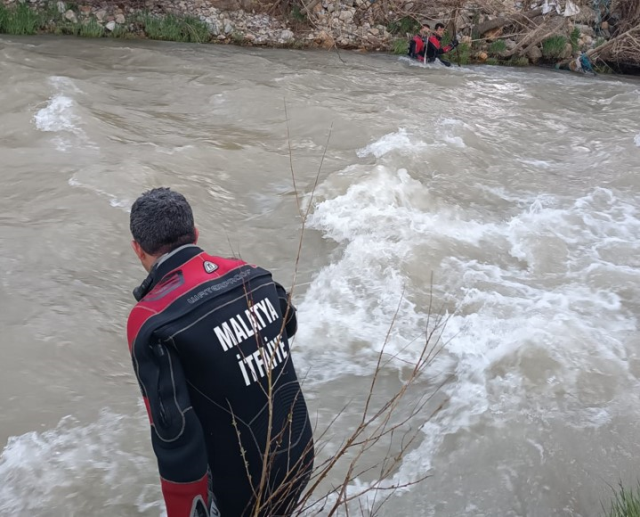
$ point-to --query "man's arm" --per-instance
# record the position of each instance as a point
(176, 433)
(288, 311)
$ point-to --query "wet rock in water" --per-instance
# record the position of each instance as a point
(324, 40)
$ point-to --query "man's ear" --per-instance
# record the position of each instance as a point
(140, 253)
(197, 235)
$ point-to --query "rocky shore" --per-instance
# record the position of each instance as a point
(554, 33)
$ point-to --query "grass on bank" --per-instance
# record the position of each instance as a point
(553, 47)
(21, 20)
(497, 47)
(626, 503)
(185, 29)
(575, 36)
(400, 47)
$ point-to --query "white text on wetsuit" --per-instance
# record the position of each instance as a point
(243, 326)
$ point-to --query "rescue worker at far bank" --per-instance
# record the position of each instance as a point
(209, 339)
(418, 44)
(434, 47)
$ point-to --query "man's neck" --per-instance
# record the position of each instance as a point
(163, 265)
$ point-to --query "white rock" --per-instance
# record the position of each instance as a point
(61, 7)
(111, 26)
(71, 16)
(101, 14)
(120, 19)
(286, 35)
(228, 28)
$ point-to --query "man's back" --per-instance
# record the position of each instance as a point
(210, 347)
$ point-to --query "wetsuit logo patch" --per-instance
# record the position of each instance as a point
(209, 267)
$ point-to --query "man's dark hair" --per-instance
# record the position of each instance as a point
(161, 221)
(426, 25)
(439, 26)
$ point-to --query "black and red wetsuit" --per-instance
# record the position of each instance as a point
(435, 50)
(209, 341)
(417, 47)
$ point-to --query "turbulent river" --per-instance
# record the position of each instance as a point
(505, 200)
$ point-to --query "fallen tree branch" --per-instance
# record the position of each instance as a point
(507, 20)
(595, 52)
(535, 37)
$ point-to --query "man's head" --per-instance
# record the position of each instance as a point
(440, 29)
(161, 221)
(425, 29)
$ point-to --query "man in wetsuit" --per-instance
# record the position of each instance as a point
(434, 47)
(209, 340)
(418, 44)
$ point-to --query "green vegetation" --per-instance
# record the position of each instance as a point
(403, 26)
(626, 503)
(492, 61)
(91, 29)
(175, 28)
(553, 47)
(297, 15)
(22, 20)
(575, 36)
(400, 46)
(461, 55)
(497, 47)
(518, 61)
(19, 20)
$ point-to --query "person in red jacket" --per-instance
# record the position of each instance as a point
(434, 46)
(209, 342)
(418, 44)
